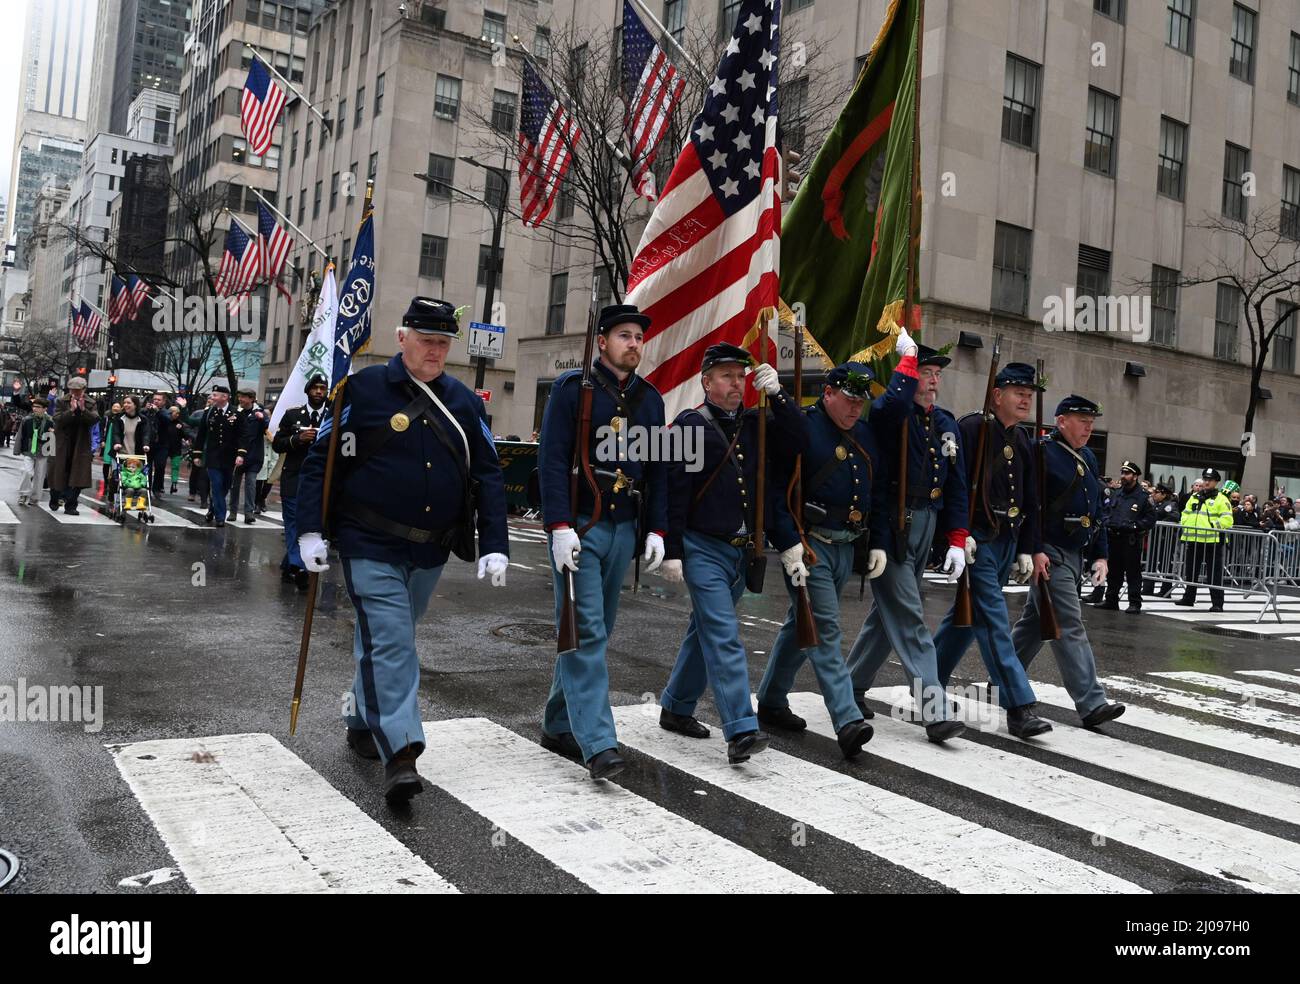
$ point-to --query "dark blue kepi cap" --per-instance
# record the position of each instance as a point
(621, 314)
(1016, 374)
(926, 356)
(852, 379)
(430, 316)
(722, 354)
(1078, 404)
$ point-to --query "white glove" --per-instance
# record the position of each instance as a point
(654, 552)
(494, 564)
(954, 563)
(970, 550)
(875, 564)
(565, 547)
(765, 379)
(792, 561)
(1024, 568)
(904, 342)
(1099, 571)
(314, 552)
(671, 571)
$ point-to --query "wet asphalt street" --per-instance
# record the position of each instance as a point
(192, 635)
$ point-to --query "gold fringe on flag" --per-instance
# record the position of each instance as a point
(889, 326)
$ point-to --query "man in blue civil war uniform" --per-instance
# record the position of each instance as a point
(422, 472)
(578, 721)
(1130, 517)
(844, 483)
(711, 519)
(1006, 535)
(936, 500)
(1073, 533)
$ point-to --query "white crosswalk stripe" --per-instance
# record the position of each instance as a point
(1290, 678)
(1232, 686)
(1242, 713)
(7, 516)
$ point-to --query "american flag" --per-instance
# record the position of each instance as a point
(235, 272)
(119, 303)
(547, 136)
(275, 242)
(707, 268)
(259, 108)
(246, 274)
(75, 315)
(139, 292)
(88, 321)
(651, 86)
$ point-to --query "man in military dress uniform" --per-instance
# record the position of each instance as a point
(578, 721)
(1006, 534)
(844, 481)
(293, 439)
(1130, 516)
(217, 438)
(1072, 531)
(711, 519)
(421, 448)
(936, 498)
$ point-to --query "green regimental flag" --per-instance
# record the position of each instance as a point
(844, 239)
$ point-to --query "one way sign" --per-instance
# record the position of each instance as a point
(487, 341)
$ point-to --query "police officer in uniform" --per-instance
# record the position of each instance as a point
(217, 438)
(844, 482)
(1207, 513)
(421, 446)
(1073, 531)
(578, 721)
(293, 439)
(936, 499)
(1006, 534)
(1129, 518)
(711, 514)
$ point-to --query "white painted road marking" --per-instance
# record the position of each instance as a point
(1233, 686)
(1263, 717)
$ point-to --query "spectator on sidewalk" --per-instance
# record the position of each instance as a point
(35, 451)
(73, 420)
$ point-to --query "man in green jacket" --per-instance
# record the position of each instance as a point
(1206, 514)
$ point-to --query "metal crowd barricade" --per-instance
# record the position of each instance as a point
(1254, 563)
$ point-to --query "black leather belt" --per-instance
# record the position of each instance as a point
(384, 525)
(733, 541)
(920, 502)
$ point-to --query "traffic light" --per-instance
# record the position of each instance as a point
(112, 380)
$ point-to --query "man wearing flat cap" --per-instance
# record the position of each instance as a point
(293, 438)
(421, 475)
(1206, 514)
(1073, 536)
(935, 502)
(711, 518)
(578, 721)
(1006, 535)
(844, 513)
(1130, 516)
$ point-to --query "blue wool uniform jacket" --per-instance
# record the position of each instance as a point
(558, 438)
(1084, 499)
(1008, 482)
(1130, 511)
(720, 512)
(413, 479)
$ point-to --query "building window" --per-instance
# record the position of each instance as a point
(1284, 340)
(577, 67)
(1290, 202)
(334, 191)
(1020, 102)
(542, 43)
(373, 168)
(1293, 72)
(1164, 306)
(1011, 256)
(306, 144)
(433, 256)
(494, 190)
(379, 95)
(302, 205)
(1241, 61)
(494, 27)
(503, 111)
(1099, 141)
(1093, 280)
(566, 200)
(794, 113)
(485, 265)
(315, 202)
(342, 118)
(1236, 163)
(446, 98)
(555, 308)
(727, 16)
(441, 171)
(293, 148)
(288, 206)
(361, 106)
(616, 58)
(1173, 158)
(235, 197)
(675, 18)
(1180, 17)
(1227, 322)
(1114, 9)
(433, 16)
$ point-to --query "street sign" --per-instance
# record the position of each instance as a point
(487, 341)
(484, 395)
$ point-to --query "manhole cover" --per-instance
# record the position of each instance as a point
(526, 633)
(8, 867)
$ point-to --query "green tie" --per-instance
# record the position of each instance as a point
(36, 434)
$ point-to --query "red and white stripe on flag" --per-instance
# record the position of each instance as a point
(653, 91)
(546, 133)
(259, 108)
(707, 268)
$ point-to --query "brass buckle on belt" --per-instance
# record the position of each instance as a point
(621, 481)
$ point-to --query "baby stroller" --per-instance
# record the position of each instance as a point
(128, 493)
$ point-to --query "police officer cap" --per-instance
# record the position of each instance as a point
(316, 378)
(430, 316)
(717, 355)
(1017, 374)
(1210, 475)
(1165, 489)
(621, 314)
(926, 356)
(1130, 466)
(851, 379)
(1078, 404)
(221, 389)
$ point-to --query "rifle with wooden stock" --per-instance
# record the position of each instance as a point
(963, 613)
(1048, 627)
(805, 624)
(566, 638)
